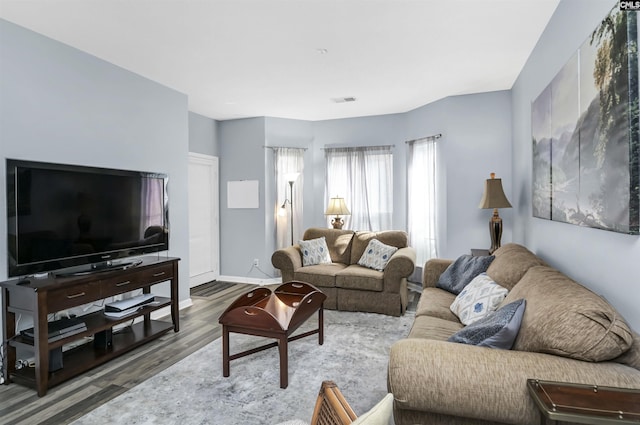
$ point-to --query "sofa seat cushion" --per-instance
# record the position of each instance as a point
(358, 277)
(427, 327)
(435, 302)
(566, 319)
(319, 275)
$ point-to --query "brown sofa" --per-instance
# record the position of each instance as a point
(347, 285)
(567, 334)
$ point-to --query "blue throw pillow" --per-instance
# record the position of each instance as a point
(497, 330)
(462, 271)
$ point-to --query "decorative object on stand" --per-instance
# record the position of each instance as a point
(291, 178)
(495, 198)
(337, 207)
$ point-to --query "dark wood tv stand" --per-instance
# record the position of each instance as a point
(41, 297)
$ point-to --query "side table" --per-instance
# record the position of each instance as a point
(585, 404)
(479, 252)
(275, 315)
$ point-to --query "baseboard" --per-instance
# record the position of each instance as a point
(251, 280)
(166, 311)
(202, 278)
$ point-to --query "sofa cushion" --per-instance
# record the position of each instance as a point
(479, 298)
(511, 263)
(436, 302)
(338, 242)
(377, 255)
(361, 239)
(358, 277)
(499, 329)
(314, 251)
(462, 271)
(319, 275)
(631, 357)
(566, 319)
(428, 327)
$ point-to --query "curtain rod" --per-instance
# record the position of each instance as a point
(286, 147)
(434, 137)
(356, 147)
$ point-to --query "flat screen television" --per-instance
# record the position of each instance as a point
(80, 219)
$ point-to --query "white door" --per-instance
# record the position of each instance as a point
(204, 231)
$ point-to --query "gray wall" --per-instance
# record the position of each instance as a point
(203, 135)
(58, 104)
(604, 261)
(477, 141)
(243, 231)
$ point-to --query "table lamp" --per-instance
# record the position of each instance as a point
(495, 198)
(337, 207)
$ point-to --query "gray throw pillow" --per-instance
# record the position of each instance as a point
(462, 271)
(499, 329)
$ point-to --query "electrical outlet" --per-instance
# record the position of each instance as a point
(256, 262)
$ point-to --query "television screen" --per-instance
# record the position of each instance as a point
(61, 216)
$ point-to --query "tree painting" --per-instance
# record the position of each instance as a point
(585, 133)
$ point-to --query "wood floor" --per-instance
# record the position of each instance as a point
(70, 400)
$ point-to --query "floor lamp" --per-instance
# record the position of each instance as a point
(291, 178)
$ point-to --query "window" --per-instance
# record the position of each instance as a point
(363, 176)
(421, 191)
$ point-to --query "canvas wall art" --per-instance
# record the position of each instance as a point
(585, 133)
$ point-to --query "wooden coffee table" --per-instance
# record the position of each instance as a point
(585, 404)
(274, 314)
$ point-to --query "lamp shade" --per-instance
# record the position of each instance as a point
(291, 177)
(337, 206)
(493, 196)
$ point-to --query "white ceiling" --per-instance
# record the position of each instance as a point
(245, 58)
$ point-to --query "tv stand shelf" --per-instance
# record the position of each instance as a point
(41, 297)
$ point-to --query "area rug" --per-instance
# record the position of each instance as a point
(354, 355)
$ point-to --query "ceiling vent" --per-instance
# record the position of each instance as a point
(343, 99)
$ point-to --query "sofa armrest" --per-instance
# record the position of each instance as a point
(433, 268)
(400, 265)
(484, 383)
(287, 260)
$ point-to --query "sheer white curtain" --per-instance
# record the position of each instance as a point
(287, 161)
(421, 188)
(363, 176)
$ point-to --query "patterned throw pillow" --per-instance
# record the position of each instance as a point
(376, 255)
(314, 251)
(497, 330)
(479, 298)
(462, 271)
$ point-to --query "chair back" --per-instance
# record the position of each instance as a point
(331, 407)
